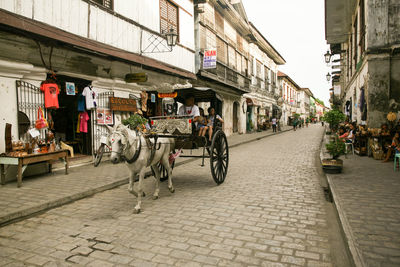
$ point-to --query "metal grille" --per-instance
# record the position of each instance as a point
(29, 99)
(103, 101)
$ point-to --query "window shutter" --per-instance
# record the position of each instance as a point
(219, 23)
(231, 57)
(168, 17)
(221, 51)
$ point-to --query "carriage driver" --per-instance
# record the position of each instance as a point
(189, 108)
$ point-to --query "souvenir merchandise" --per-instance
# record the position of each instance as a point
(51, 92)
(70, 88)
(90, 96)
(83, 126)
(41, 121)
(81, 103)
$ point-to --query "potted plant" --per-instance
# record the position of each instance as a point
(335, 148)
(334, 117)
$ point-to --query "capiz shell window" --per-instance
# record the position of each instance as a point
(168, 17)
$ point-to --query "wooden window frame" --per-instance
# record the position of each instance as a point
(167, 21)
(103, 3)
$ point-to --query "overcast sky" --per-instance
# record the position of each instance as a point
(296, 29)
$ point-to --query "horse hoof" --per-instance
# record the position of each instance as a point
(155, 197)
(136, 211)
(172, 190)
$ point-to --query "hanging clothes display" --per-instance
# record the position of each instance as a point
(81, 103)
(363, 105)
(51, 92)
(90, 96)
(78, 124)
(83, 124)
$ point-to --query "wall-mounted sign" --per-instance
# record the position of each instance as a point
(153, 98)
(210, 59)
(140, 77)
(104, 116)
(166, 95)
(123, 104)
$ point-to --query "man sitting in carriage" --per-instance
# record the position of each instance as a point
(189, 108)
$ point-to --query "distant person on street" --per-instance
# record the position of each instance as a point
(295, 122)
(273, 124)
(307, 121)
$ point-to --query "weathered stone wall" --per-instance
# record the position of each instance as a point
(378, 90)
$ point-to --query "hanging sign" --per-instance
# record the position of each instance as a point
(210, 59)
(140, 77)
(153, 98)
(123, 104)
(167, 95)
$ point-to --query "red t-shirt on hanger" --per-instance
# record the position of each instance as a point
(51, 92)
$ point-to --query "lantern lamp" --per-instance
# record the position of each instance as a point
(328, 77)
(172, 37)
(327, 57)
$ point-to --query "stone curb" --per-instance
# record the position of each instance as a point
(354, 251)
(29, 212)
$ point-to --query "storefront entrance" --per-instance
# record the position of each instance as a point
(66, 119)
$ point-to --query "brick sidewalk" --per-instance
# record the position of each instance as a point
(367, 198)
(43, 192)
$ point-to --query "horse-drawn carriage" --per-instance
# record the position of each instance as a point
(168, 135)
(183, 130)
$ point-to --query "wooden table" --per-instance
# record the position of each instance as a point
(24, 161)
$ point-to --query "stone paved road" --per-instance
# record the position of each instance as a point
(269, 212)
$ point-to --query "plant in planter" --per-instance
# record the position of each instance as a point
(335, 148)
(334, 117)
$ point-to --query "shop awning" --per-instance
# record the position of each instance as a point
(252, 102)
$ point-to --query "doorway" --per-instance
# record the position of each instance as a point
(66, 118)
(235, 117)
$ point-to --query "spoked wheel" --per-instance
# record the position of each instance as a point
(99, 155)
(219, 157)
(163, 171)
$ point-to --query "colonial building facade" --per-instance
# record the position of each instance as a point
(364, 38)
(89, 43)
(290, 97)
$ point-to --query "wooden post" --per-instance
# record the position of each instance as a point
(3, 175)
(19, 177)
(66, 163)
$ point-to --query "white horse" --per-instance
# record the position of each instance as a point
(133, 148)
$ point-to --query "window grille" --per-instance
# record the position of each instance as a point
(29, 99)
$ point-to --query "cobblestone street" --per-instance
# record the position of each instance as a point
(270, 211)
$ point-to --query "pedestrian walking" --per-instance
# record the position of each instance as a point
(295, 122)
(307, 121)
(273, 124)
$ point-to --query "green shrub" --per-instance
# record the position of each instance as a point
(334, 117)
(135, 121)
(336, 148)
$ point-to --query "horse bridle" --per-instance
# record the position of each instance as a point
(137, 152)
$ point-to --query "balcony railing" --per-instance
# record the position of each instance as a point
(227, 75)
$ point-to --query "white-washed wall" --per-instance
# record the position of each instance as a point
(89, 21)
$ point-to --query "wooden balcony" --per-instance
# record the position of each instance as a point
(228, 76)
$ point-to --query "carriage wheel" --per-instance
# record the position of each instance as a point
(219, 157)
(163, 171)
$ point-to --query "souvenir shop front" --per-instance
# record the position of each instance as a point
(75, 112)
